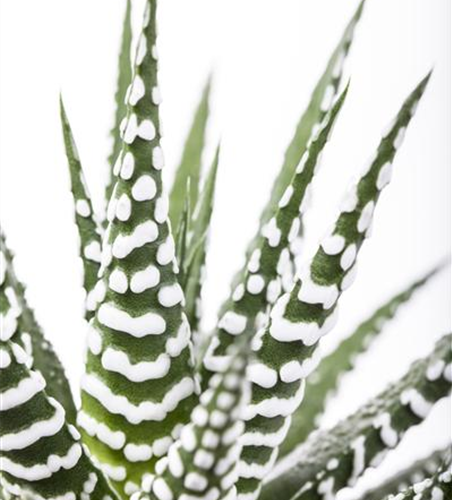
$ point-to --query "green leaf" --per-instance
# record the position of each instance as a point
(323, 95)
(21, 326)
(139, 386)
(259, 284)
(196, 254)
(123, 81)
(41, 454)
(334, 458)
(88, 229)
(324, 380)
(182, 235)
(420, 470)
(204, 459)
(190, 164)
(284, 349)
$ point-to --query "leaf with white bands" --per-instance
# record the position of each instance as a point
(335, 458)
(139, 383)
(300, 318)
(190, 164)
(324, 380)
(41, 456)
(260, 285)
(124, 78)
(418, 471)
(19, 324)
(88, 229)
(437, 487)
(202, 463)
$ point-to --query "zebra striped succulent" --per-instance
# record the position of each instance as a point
(168, 412)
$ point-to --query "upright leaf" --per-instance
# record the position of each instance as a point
(324, 380)
(337, 457)
(197, 247)
(88, 229)
(418, 471)
(19, 324)
(124, 78)
(284, 349)
(323, 95)
(259, 285)
(190, 164)
(202, 464)
(182, 235)
(41, 455)
(139, 385)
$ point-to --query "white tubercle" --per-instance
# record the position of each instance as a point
(350, 200)
(113, 439)
(141, 49)
(128, 166)
(144, 188)
(161, 209)
(257, 470)
(273, 290)
(165, 252)
(119, 362)
(5, 358)
(348, 257)
(233, 323)
(270, 439)
(262, 375)
(388, 434)
(2, 268)
(255, 284)
(399, 138)
(294, 370)
(157, 158)
(313, 293)
(123, 208)
(92, 251)
(417, 402)
(238, 292)
(254, 261)
(359, 451)
(146, 130)
(144, 411)
(131, 129)
(272, 233)
(156, 96)
(175, 345)
(334, 244)
(22, 392)
(116, 319)
(124, 244)
(137, 452)
(117, 281)
(94, 340)
(285, 198)
(294, 230)
(82, 208)
(366, 217)
(137, 91)
(435, 370)
(327, 98)
(144, 279)
(384, 176)
(169, 296)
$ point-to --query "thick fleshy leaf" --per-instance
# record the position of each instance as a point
(420, 470)
(88, 229)
(19, 324)
(139, 384)
(323, 95)
(436, 487)
(190, 164)
(202, 464)
(260, 282)
(323, 382)
(40, 453)
(335, 458)
(284, 349)
(197, 247)
(182, 235)
(123, 81)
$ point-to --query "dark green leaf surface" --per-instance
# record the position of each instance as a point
(337, 457)
(23, 329)
(190, 164)
(123, 81)
(323, 382)
(88, 229)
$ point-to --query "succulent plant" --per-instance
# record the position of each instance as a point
(169, 412)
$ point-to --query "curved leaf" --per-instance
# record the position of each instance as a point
(324, 380)
(19, 324)
(337, 457)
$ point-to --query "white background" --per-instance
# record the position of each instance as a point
(266, 57)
